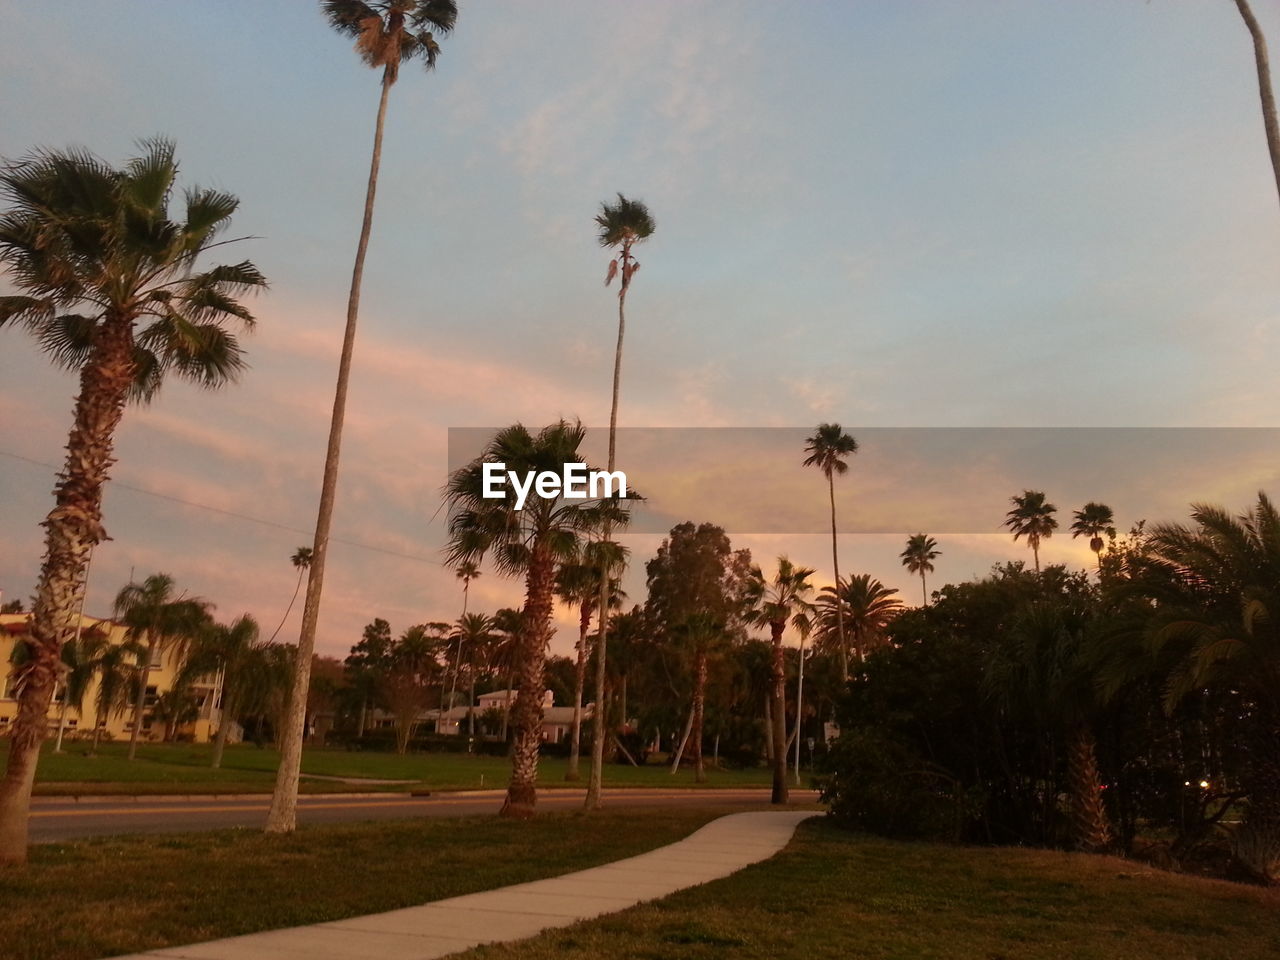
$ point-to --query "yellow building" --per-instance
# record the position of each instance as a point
(118, 725)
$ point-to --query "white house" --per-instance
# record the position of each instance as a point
(557, 722)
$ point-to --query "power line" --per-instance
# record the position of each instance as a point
(120, 484)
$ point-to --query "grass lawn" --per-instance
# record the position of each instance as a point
(95, 898)
(833, 894)
(184, 768)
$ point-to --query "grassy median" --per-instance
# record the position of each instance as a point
(836, 895)
(95, 898)
(184, 768)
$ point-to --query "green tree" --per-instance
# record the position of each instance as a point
(387, 33)
(775, 604)
(367, 663)
(918, 557)
(621, 227)
(111, 288)
(1094, 520)
(162, 623)
(1032, 517)
(531, 543)
(827, 449)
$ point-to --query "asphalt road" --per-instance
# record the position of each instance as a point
(55, 819)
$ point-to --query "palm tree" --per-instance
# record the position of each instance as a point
(700, 632)
(80, 665)
(533, 543)
(232, 647)
(775, 604)
(621, 227)
(506, 656)
(109, 285)
(827, 449)
(1032, 517)
(921, 551)
(466, 572)
(161, 623)
(578, 584)
(387, 33)
(474, 631)
(118, 672)
(1217, 603)
(1094, 520)
(301, 561)
(868, 607)
(1264, 86)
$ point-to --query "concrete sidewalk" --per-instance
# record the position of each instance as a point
(514, 913)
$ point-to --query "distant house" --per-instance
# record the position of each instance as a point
(557, 722)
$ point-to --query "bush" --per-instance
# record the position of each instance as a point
(873, 784)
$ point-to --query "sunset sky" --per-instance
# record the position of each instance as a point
(988, 214)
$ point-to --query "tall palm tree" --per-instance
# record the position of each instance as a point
(921, 551)
(232, 647)
(466, 572)
(1032, 517)
(1094, 520)
(111, 287)
(1263, 64)
(301, 561)
(386, 33)
(621, 227)
(776, 604)
(868, 607)
(578, 584)
(532, 543)
(827, 449)
(161, 623)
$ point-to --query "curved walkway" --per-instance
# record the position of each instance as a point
(513, 913)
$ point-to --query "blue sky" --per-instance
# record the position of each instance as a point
(908, 214)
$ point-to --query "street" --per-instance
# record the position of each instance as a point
(55, 819)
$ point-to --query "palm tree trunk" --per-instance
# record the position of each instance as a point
(699, 707)
(598, 718)
(1264, 87)
(72, 529)
(140, 701)
(1091, 830)
(835, 564)
(457, 668)
(768, 726)
(779, 716)
(224, 723)
(924, 590)
(283, 816)
(580, 682)
(522, 794)
(799, 705)
(62, 721)
(684, 742)
(506, 711)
